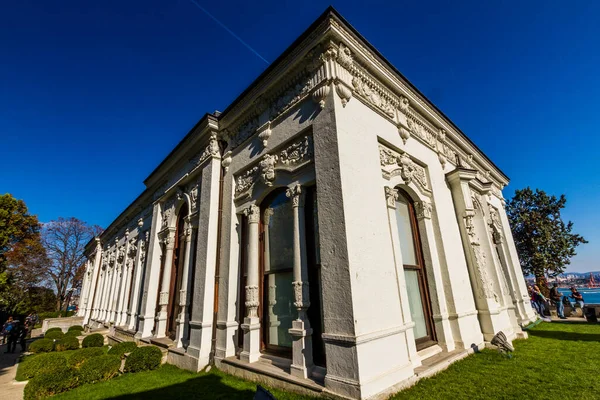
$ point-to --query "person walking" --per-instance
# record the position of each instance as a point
(6, 329)
(23, 336)
(556, 298)
(13, 337)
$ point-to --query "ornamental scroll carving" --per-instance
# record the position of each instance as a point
(399, 163)
(293, 156)
(295, 193)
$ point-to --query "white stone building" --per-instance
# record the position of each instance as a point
(331, 229)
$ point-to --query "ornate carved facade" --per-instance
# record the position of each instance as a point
(330, 179)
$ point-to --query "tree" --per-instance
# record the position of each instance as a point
(65, 240)
(16, 226)
(545, 243)
(22, 256)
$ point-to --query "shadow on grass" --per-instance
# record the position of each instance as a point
(202, 387)
(562, 335)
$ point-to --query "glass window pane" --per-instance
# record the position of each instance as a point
(407, 246)
(415, 303)
(280, 234)
(280, 308)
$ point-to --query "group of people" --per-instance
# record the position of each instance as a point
(14, 331)
(540, 303)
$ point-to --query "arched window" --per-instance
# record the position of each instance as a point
(414, 271)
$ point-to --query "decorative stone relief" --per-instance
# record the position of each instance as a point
(495, 225)
(112, 258)
(252, 300)
(344, 92)
(167, 213)
(164, 298)
(363, 88)
(407, 168)
(265, 134)
(344, 56)
(391, 196)
(143, 245)
(320, 95)
(485, 284)
(267, 168)
(131, 251)
(301, 295)
(253, 214)
(399, 163)
(293, 156)
(193, 193)
(423, 209)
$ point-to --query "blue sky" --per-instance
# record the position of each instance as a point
(93, 95)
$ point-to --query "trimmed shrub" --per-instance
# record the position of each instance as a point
(121, 348)
(76, 328)
(93, 340)
(54, 335)
(67, 343)
(143, 359)
(73, 333)
(42, 346)
(46, 385)
(77, 358)
(97, 369)
(53, 330)
(41, 364)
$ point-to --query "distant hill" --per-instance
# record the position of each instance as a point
(580, 274)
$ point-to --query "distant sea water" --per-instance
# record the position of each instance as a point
(590, 295)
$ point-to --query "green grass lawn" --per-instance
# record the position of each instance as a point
(169, 382)
(558, 361)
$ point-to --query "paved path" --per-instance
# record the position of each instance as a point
(9, 389)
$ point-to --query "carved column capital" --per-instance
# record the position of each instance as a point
(296, 194)
(423, 209)
(391, 195)
(252, 300)
(301, 295)
(253, 213)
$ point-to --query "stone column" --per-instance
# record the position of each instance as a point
(301, 332)
(92, 291)
(184, 301)
(391, 195)
(125, 293)
(251, 325)
(106, 286)
(83, 300)
(163, 302)
(139, 269)
(491, 318)
(122, 282)
(117, 282)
